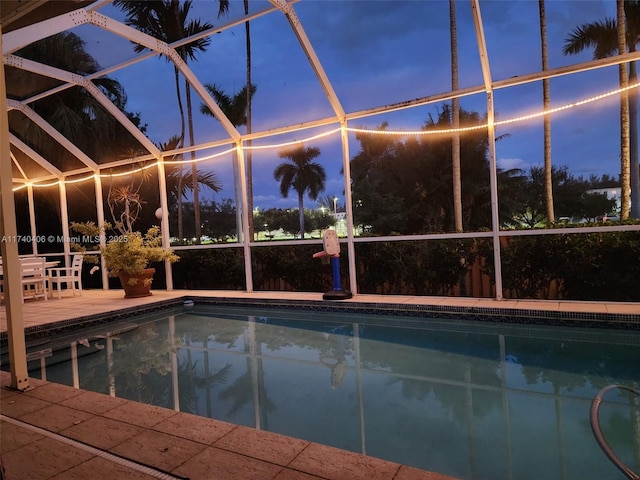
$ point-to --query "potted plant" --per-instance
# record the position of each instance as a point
(128, 253)
(129, 256)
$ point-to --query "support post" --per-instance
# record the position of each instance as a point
(11, 264)
(100, 215)
(164, 221)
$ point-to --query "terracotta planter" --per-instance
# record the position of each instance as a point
(137, 285)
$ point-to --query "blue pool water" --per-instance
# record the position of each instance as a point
(479, 401)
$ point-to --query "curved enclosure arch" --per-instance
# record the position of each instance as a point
(457, 148)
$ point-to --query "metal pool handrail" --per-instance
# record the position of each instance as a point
(597, 432)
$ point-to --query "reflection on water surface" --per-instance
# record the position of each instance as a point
(472, 400)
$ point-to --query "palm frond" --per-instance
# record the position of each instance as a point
(601, 35)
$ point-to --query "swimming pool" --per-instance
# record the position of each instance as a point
(469, 399)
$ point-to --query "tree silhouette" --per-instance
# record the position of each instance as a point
(602, 36)
(236, 110)
(167, 21)
(302, 175)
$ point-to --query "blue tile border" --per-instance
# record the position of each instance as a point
(444, 312)
(479, 314)
(64, 326)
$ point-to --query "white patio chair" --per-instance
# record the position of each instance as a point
(70, 276)
(33, 276)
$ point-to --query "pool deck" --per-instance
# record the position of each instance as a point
(94, 302)
(53, 431)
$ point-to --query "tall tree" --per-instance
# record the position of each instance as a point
(167, 20)
(180, 183)
(548, 182)
(302, 175)
(145, 16)
(236, 110)
(189, 51)
(249, 154)
(625, 161)
(74, 112)
(602, 35)
(455, 120)
(404, 187)
(78, 116)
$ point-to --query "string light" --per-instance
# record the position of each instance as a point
(197, 160)
(79, 180)
(44, 185)
(292, 142)
(444, 131)
(128, 172)
(521, 118)
(568, 106)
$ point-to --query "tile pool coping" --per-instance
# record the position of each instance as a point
(511, 314)
(465, 313)
(57, 431)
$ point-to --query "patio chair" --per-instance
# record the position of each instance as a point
(70, 276)
(33, 276)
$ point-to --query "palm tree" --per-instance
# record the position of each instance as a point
(167, 21)
(625, 170)
(179, 183)
(551, 218)
(455, 120)
(302, 175)
(249, 90)
(192, 379)
(74, 112)
(145, 16)
(602, 35)
(249, 157)
(192, 28)
(236, 110)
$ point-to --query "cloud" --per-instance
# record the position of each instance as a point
(513, 163)
(284, 203)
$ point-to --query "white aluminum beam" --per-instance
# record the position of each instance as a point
(55, 134)
(89, 86)
(165, 49)
(17, 39)
(152, 53)
(32, 219)
(164, 221)
(35, 156)
(64, 221)
(97, 5)
(18, 166)
(348, 201)
(246, 238)
(305, 43)
(12, 287)
(493, 175)
(100, 216)
(81, 81)
(22, 10)
(122, 118)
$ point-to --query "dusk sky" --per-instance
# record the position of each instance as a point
(377, 53)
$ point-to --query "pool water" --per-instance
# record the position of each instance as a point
(469, 399)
